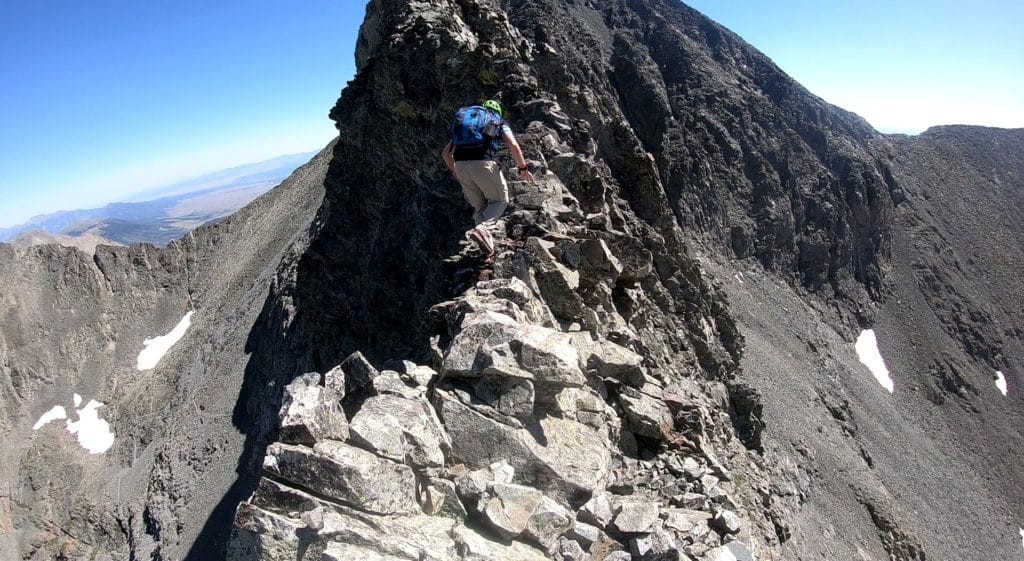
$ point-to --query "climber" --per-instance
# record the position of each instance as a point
(475, 136)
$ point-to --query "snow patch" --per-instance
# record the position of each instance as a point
(54, 414)
(1001, 382)
(867, 351)
(93, 433)
(154, 349)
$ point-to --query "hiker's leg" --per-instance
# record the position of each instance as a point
(495, 190)
(467, 175)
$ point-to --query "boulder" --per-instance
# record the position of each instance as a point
(597, 511)
(471, 546)
(548, 521)
(684, 520)
(610, 360)
(479, 330)
(391, 382)
(359, 373)
(560, 456)
(347, 474)
(727, 522)
(634, 517)
(404, 430)
(509, 507)
(311, 412)
(264, 535)
(644, 415)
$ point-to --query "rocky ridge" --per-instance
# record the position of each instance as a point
(529, 436)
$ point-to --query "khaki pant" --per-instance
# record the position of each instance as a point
(484, 187)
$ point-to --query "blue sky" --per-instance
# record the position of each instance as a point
(102, 99)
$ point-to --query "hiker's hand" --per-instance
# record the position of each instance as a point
(526, 174)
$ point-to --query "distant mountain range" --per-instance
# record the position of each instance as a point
(165, 213)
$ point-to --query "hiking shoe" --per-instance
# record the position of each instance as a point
(483, 238)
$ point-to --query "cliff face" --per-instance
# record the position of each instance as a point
(659, 364)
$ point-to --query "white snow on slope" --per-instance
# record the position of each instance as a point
(1001, 382)
(154, 349)
(867, 351)
(54, 414)
(93, 433)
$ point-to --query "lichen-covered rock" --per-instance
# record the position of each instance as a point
(401, 429)
(311, 412)
(347, 474)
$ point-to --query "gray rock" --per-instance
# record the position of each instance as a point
(335, 379)
(597, 511)
(359, 373)
(547, 522)
(401, 429)
(619, 556)
(349, 552)
(421, 375)
(572, 457)
(442, 499)
(684, 520)
(263, 535)
(535, 352)
(727, 522)
(634, 517)
(390, 382)
(645, 415)
(507, 395)
(569, 550)
(347, 474)
(732, 551)
(610, 360)
(508, 507)
(585, 534)
(695, 501)
(479, 330)
(311, 412)
(471, 546)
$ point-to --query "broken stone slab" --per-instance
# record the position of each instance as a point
(443, 499)
(585, 534)
(516, 291)
(282, 499)
(569, 550)
(471, 546)
(419, 536)
(597, 511)
(597, 260)
(479, 330)
(560, 457)
(347, 474)
(727, 522)
(684, 520)
(311, 412)
(359, 373)
(541, 354)
(547, 522)
(732, 551)
(418, 374)
(556, 283)
(635, 517)
(349, 552)
(610, 360)
(508, 507)
(404, 430)
(619, 556)
(391, 382)
(644, 415)
(264, 535)
(658, 545)
(694, 501)
(335, 380)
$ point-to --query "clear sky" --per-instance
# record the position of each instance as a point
(903, 65)
(106, 98)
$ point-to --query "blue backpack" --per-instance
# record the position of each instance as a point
(475, 127)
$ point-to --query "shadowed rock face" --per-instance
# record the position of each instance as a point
(660, 362)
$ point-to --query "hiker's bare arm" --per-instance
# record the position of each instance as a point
(448, 157)
(517, 154)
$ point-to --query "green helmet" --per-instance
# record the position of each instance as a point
(493, 106)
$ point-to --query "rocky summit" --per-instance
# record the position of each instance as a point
(668, 357)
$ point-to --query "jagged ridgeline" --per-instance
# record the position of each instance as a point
(658, 364)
